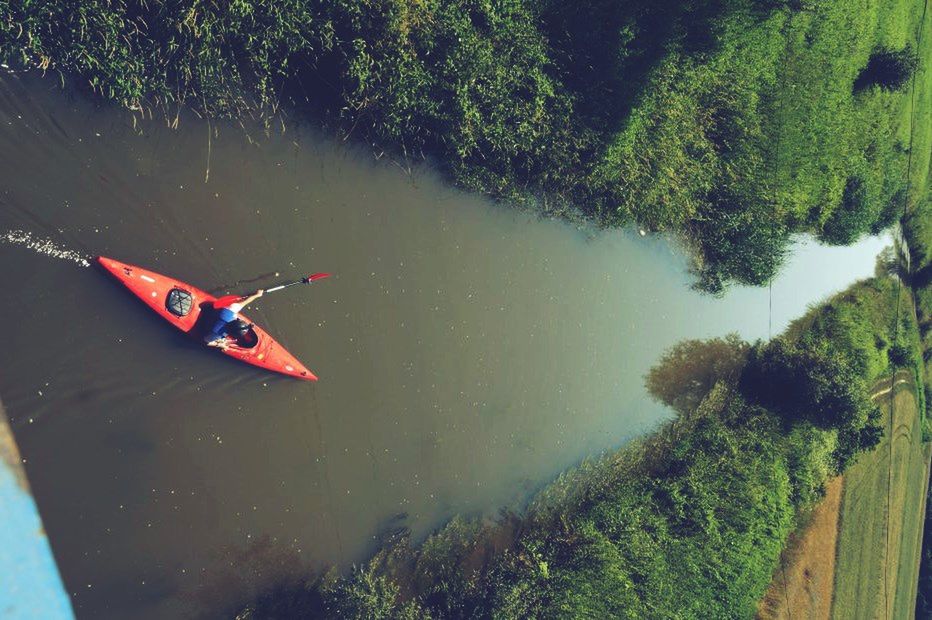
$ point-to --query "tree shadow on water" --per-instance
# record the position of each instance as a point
(691, 368)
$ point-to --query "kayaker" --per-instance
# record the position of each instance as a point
(229, 313)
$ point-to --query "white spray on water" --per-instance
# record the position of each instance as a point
(44, 246)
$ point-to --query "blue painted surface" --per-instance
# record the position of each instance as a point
(30, 586)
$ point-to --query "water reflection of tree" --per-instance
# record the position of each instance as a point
(689, 369)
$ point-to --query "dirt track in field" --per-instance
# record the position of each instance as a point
(804, 588)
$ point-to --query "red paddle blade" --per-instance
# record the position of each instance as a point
(221, 302)
(317, 276)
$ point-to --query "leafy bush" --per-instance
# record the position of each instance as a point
(917, 231)
(811, 460)
(900, 355)
(888, 69)
(229, 57)
(740, 243)
(471, 81)
(685, 528)
(365, 595)
(890, 213)
(816, 385)
(853, 439)
(853, 217)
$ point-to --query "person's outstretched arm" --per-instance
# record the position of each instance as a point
(252, 298)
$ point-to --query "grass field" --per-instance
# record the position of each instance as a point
(877, 567)
(802, 587)
(920, 106)
(927, 451)
(834, 563)
(918, 232)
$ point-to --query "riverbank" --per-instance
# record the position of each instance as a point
(803, 584)
(731, 125)
(918, 234)
(690, 520)
(854, 557)
(877, 567)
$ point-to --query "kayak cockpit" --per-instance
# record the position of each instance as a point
(248, 339)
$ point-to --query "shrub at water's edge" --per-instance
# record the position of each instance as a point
(687, 522)
(731, 123)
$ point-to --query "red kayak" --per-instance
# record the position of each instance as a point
(191, 310)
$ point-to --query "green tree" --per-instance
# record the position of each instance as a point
(853, 217)
(815, 384)
(900, 354)
(888, 69)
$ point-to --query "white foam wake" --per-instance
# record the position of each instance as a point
(44, 246)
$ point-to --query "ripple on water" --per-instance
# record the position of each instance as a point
(44, 246)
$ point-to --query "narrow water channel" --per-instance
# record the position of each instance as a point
(467, 352)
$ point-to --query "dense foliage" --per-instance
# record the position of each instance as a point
(819, 386)
(730, 122)
(853, 217)
(802, 383)
(918, 233)
(889, 69)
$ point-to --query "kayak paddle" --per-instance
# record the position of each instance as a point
(307, 280)
(228, 299)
